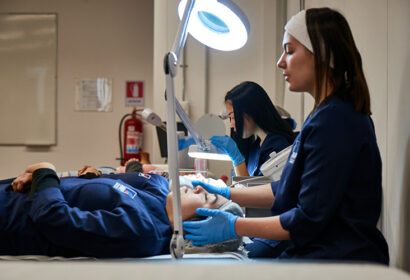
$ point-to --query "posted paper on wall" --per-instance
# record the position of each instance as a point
(94, 95)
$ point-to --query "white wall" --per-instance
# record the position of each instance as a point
(397, 192)
(96, 38)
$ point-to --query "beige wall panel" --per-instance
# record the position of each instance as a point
(397, 195)
(110, 39)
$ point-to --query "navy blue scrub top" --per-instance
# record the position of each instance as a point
(259, 154)
(119, 215)
(330, 194)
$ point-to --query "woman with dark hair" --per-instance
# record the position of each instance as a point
(328, 200)
(252, 116)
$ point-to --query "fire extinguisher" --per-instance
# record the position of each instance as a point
(131, 145)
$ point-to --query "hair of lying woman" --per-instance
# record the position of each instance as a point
(231, 245)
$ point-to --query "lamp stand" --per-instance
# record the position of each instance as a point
(211, 22)
(170, 68)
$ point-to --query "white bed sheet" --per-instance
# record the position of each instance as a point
(188, 269)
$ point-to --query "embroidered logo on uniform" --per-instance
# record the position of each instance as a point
(295, 151)
(126, 190)
(145, 175)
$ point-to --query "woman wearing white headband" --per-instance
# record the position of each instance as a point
(328, 201)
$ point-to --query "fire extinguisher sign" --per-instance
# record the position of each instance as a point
(134, 96)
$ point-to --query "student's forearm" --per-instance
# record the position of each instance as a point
(256, 197)
(241, 170)
(268, 228)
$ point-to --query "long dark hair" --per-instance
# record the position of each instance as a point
(251, 99)
(333, 42)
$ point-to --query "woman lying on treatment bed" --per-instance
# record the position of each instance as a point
(117, 215)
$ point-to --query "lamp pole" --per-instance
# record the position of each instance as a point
(173, 107)
(170, 68)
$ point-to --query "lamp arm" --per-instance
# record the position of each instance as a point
(172, 62)
(190, 127)
(182, 34)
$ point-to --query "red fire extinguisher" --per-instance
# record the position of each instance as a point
(132, 141)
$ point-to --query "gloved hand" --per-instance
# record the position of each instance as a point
(218, 227)
(185, 142)
(228, 146)
(225, 191)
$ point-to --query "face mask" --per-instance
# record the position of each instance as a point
(243, 143)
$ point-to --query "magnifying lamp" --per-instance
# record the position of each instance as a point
(219, 24)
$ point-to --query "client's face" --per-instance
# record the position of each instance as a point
(191, 199)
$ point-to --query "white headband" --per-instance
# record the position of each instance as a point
(296, 27)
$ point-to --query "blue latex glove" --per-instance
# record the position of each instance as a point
(228, 146)
(225, 191)
(185, 142)
(218, 227)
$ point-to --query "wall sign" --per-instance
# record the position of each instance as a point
(134, 94)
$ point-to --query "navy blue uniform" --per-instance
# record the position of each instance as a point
(259, 154)
(329, 196)
(119, 215)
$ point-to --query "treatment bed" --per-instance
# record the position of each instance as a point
(206, 268)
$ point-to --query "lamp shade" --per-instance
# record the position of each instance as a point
(213, 153)
(218, 24)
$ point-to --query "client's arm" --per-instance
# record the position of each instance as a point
(39, 165)
(88, 169)
(23, 181)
